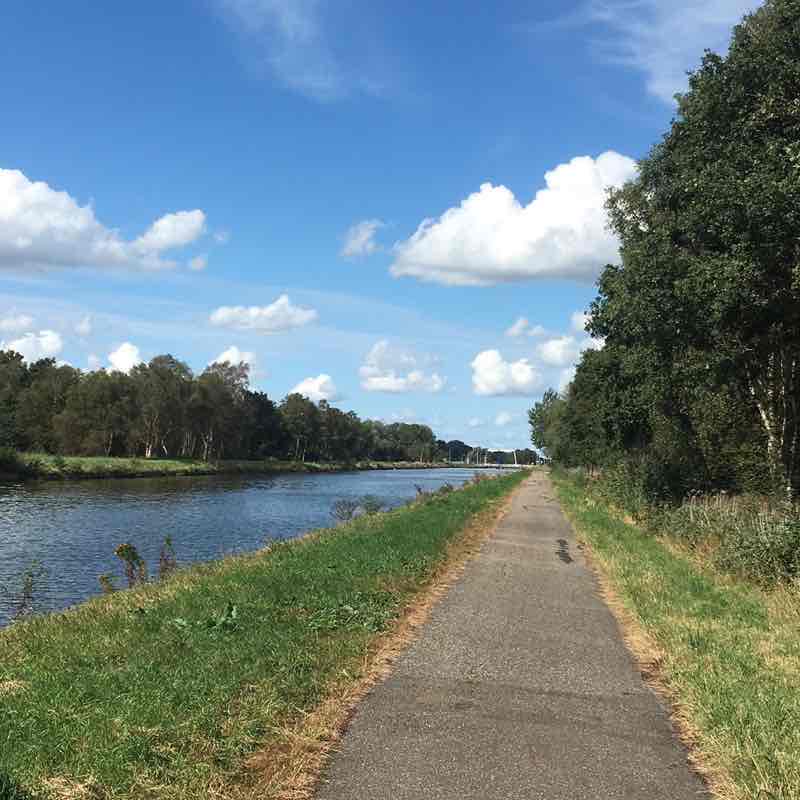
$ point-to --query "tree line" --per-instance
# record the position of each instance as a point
(162, 409)
(698, 384)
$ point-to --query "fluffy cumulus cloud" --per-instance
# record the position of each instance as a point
(360, 239)
(233, 355)
(33, 346)
(125, 357)
(503, 419)
(664, 39)
(394, 369)
(84, 326)
(492, 375)
(42, 228)
(281, 315)
(320, 388)
(524, 328)
(93, 362)
(172, 230)
(560, 350)
(15, 323)
(492, 237)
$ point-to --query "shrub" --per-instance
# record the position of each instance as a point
(767, 549)
(371, 504)
(345, 509)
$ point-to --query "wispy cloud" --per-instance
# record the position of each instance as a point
(662, 38)
(293, 40)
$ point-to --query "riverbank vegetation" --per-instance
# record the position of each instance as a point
(163, 410)
(695, 393)
(724, 651)
(57, 467)
(164, 691)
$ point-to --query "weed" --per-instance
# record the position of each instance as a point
(167, 560)
(133, 564)
(345, 509)
(371, 504)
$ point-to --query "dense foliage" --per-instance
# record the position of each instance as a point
(161, 409)
(698, 384)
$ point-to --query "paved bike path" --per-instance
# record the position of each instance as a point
(519, 687)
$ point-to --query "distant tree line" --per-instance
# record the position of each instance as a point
(162, 409)
(698, 384)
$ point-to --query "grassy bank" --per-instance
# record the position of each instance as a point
(725, 650)
(164, 691)
(47, 467)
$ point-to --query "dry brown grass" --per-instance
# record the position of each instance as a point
(290, 767)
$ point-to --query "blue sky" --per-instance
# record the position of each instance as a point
(361, 199)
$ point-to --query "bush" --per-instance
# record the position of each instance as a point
(767, 549)
(345, 509)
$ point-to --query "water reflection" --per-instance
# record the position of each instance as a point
(71, 529)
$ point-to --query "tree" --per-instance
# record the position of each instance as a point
(710, 273)
(301, 419)
(14, 377)
(40, 401)
(98, 415)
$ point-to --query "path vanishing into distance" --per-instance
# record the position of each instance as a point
(518, 687)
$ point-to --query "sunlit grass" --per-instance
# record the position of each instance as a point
(730, 650)
(163, 691)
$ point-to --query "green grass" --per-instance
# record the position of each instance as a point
(163, 691)
(731, 650)
(50, 467)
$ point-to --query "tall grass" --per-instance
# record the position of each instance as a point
(757, 537)
(163, 691)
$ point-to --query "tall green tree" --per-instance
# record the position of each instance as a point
(710, 232)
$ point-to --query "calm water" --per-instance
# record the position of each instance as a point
(71, 529)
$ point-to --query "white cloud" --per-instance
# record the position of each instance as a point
(278, 316)
(395, 370)
(491, 237)
(665, 38)
(291, 36)
(559, 351)
(93, 362)
(84, 326)
(476, 422)
(503, 419)
(518, 328)
(172, 230)
(198, 263)
(493, 376)
(233, 355)
(41, 228)
(15, 323)
(33, 346)
(125, 357)
(523, 328)
(315, 389)
(578, 321)
(360, 238)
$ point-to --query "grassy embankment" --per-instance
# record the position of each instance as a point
(722, 647)
(165, 691)
(48, 467)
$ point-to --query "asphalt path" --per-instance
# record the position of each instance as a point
(519, 687)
